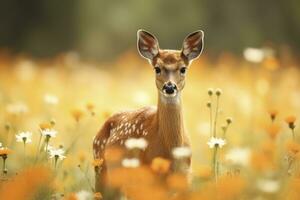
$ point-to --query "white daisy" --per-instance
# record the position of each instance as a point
(136, 143)
(130, 162)
(17, 108)
(57, 153)
(216, 142)
(24, 137)
(51, 99)
(238, 156)
(268, 185)
(49, 132)
(181, 152)
(0, 144)
(84, 195)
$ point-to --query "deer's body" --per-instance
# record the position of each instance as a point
(161, 126)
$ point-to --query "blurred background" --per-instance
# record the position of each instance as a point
(102, 30)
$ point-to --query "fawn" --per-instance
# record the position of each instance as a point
(161, 126)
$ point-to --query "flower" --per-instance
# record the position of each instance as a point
(210, 91)
(181, 152)
(273, 114)
(45, 125)
(136, 143)
(216, 142)
(77, 114)
(273, 130)
(57, 153)
(229, 120)
(254, 55)
(208, 104)
(51, 99)
(97, 162)
(268, 186)
(160, 165)
(218, 91)
(290, 120)
(98, 196)
(17, 108)
(4, 151)
(90, 107)
(238, 156)
(293, 147)
(49, 132)
(24, 137)
(83, 195)
(130, 162)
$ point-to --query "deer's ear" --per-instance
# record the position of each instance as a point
(147, 44)
(193, 45)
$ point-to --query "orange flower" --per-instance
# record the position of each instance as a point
(204, 172)
(160, 165)
(90, 107)
(290, 119)
(27, 184)
(293, 147)
(273, 113)
(273, 130)
(98, 196)
(4, 151)
(77, 114)
(71, 196)
(45, 125)
(97, 162)
(177, 182)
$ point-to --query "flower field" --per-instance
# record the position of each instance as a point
(241, 114)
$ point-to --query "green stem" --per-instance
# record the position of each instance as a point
(224, 132)
(55, 161)
(87, 179)
(214, 163)
(4, 157)
(24, 156)
(38, 148)
(211, 117)
(216, 117)
(293, 132)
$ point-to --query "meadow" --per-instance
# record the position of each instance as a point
(60, 104)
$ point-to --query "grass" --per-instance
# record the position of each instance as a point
(74, 97)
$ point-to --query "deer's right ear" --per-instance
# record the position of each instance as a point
(147, 44)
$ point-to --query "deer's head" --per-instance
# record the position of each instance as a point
(170, 66)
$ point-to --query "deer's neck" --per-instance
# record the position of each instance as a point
(170, 121)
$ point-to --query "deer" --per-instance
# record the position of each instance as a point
(162, 126)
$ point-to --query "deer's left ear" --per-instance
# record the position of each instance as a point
(193, 45)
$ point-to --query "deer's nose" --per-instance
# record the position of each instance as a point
(169, 88)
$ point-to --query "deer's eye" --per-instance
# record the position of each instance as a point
(157, 70)
(183, 70)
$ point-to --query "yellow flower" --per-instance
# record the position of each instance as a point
(97, 162)
(90, 107)
(77, 114)
(98, 196)
(160, 165)
(273, 130)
